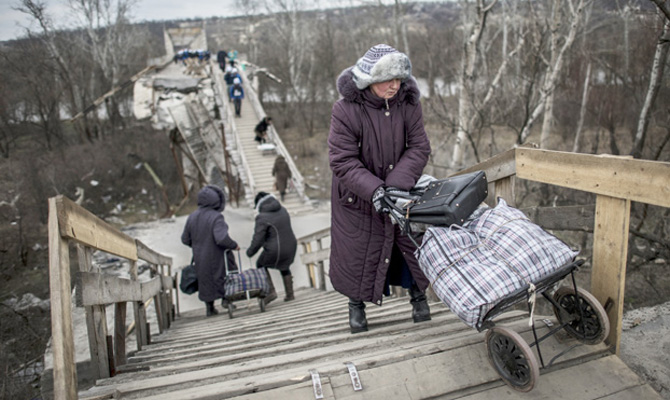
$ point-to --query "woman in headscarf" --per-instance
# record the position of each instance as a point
(206, 232)
(377, 140)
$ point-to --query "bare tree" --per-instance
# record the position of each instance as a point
(560, 43)
(657, 70)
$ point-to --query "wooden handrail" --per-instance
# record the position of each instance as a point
(69, 222)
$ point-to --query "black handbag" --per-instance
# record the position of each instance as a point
(449, 201)
(189, 280)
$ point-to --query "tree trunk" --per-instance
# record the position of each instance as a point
(657, 69)
(582, 110)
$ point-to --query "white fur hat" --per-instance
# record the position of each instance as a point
(380, 64)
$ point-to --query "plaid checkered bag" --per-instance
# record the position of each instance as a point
(496, 253)
(250, 279)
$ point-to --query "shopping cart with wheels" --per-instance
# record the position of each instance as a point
(495, 259)
(244, 285)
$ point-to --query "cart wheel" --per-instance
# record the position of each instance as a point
(230, 309)
(511, 356)
(261, 303)
(595, 327)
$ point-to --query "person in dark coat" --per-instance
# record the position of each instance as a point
(261, 130)
(282, 174)
(377, 140)
(273, 232)
(206, 232)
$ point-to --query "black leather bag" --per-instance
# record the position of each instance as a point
(449, 201)
(189, 280)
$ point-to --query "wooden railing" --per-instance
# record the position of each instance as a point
(616, 181)
(70, 223)
(314, 256)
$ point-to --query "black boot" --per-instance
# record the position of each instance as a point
(357, 320)
(420, 309)
(272, 293)
(211, 310)
(288, 287)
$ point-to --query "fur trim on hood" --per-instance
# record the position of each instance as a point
(409, 90)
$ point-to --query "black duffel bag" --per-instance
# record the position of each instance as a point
(189, 280)
(449, 201)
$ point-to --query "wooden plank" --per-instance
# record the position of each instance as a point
(644, 392)
(603, 378)
(303, 390)
(151, 256)
(315, 256)
(564, 218)
(314, 236)
(610, 250)
(101, 289)
(497, 167)
(621, 177)
(151, 288)
(64, 366)
(77, 223)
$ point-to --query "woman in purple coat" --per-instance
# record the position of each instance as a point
(206, 232)
(377, 140)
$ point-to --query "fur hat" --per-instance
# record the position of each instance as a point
(380, 64)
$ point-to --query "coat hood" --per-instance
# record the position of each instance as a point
(268, 203)
(212, 197)
(409, 90)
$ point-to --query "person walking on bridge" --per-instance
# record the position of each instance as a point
(273, 232)
(377, 140)
(237, 95)
(282, 173)
(206, 232)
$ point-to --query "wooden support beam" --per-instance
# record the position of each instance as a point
(610, 250)
(64, 367)
(76, 223)
(621, 177)
(151, 256)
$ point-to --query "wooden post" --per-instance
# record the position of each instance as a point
(610, 250)
(158, 306)
(96, 323)
(320, 269)
(64, 367)
(138, 307)
(307, 248)
(504, 188)
(120, 333)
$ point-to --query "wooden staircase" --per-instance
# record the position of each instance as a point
(260, 162)
(279, 353)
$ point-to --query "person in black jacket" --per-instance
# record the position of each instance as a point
(261, 130)
(274, 234)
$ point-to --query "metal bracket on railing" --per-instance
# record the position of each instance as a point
(353, 374)
(316, 384)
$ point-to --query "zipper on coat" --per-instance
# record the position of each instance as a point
(387, 112)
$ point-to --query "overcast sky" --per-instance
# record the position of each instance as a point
(13, 23)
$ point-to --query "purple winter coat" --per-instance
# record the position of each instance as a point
(206, 232)
(372, 142)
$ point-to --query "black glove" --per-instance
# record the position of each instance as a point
(378, 200)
